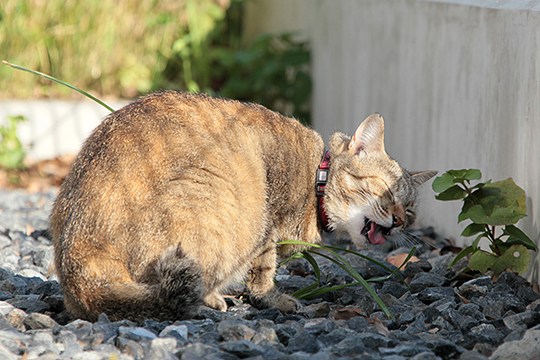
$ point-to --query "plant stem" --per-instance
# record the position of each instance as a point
(52, 78)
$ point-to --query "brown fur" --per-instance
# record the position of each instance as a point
(176, 196)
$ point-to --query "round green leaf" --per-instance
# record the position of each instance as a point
(452, 193)
(516, 236)
(443, 182)
(473, 229)
(516, 258)
(497, 203)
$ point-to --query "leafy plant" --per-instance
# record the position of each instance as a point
(12, 152)
(493, 209)
(272, 70)
(331, 253)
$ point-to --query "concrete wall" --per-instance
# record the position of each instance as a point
(54, 127)
(457, 82)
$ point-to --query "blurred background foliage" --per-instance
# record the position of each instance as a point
(121, 49)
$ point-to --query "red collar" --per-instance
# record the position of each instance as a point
(320, 185)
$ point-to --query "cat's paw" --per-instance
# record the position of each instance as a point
(287, 303)
(215, 301)
(280, 301)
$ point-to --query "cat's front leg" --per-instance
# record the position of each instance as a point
(215, 300)
(263, 292)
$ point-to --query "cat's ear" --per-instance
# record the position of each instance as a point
(369, 136)
(420, 177)
(338, 143)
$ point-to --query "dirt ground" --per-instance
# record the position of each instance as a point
(37, 176)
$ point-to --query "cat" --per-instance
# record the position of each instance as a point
(176, 196)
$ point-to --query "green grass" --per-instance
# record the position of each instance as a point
(109, 47)
(331, 253)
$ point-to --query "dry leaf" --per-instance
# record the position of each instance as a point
(347, 313)
(397, 260)
(380, 327)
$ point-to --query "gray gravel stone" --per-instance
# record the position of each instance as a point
(425, 280)
(526, 348)
(431, 321)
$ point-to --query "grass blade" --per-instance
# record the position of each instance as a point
(314, 264)
(312, 291)
(52, 78)
(365, 257)
(341, 262)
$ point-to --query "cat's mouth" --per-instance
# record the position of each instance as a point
(374, 232)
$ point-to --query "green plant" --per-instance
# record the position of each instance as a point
(108, 47)
(272, 70)
(331, 253)
(12, 152)
(493, 209)
(145, 45)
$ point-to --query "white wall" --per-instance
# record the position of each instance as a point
(458, 84)
(54, 127)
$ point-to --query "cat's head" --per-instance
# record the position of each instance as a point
(369, 195)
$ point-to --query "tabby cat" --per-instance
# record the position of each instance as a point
(177, 196)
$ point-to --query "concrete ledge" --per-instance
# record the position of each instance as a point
(54, 127)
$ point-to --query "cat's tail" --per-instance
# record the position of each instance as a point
(176, 295)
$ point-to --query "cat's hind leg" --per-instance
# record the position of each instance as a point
(263, 292)
(175, 293)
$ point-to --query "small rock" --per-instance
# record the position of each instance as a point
(179, 332)
(472, 310)
(358, 323)
(16, 319)
(425, 356)
(235, 330)
(432, 294)
(130, 347)
(496, 303)
(162, 349)
(241, 348)
(81, 328)
(414, 268)
(36, 321)
(29, 273)
(423, 280)
(303, 342)
(265, 335)
(136, 333)
(394, 288)
(526, 348)
(406, 350)
(375, 341)
(319, 326)
(29, 303)
(4, 241)
(335, 336)
(13, 284)
(476, 287)
(70, 344)
(198, 351)
(486, 333)
(522, 320)
(315, 310)
(6, 354)
(351, 346)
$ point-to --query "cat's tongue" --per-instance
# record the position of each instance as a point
(375, 235)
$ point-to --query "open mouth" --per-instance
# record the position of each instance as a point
(375, 232)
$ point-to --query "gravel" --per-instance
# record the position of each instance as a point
(439, 313)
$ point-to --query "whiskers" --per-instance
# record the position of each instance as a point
(409, 238)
